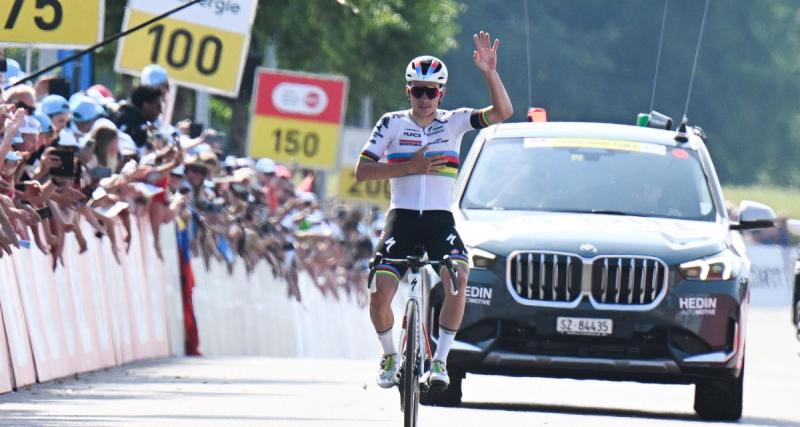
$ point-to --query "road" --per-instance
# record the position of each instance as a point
(304, 392)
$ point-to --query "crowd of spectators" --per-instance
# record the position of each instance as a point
(93, 158)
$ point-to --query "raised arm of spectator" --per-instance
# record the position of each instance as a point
(76, 229)
(15, 216)
(167, 167)
(36, 230)
(5, 238)
(12, 123)
(10, 236)
(87, 213)
(125, 216)
(59, 231)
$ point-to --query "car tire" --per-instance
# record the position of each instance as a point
(449, 397)
(796, 301)
(720, 399)
(797, 318)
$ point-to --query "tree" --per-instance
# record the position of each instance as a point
(593, 60)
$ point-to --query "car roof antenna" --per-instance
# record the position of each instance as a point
(681, 135)
(649, 117)
(533, 114)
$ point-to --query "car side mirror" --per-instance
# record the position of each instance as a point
(754, 215)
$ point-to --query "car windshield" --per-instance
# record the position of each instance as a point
(589, 176)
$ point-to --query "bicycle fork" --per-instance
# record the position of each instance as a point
(423, 353)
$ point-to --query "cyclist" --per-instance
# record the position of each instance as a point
(422, 146)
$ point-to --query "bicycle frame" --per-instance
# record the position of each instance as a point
(418, 281)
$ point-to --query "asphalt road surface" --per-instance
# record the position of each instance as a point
(304, 392)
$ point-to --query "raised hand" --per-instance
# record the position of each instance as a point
(485, 54)
(15, 120)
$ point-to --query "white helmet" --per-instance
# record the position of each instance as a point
(426, 69)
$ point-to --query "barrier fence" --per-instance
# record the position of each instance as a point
(94, 313)
(88, 314)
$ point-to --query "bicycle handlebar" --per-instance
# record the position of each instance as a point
(413, 262)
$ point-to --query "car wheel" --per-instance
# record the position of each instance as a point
(449, 397)
(796, 300)
(720, 399)
(797, 318)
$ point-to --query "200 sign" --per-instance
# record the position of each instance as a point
(371, 189)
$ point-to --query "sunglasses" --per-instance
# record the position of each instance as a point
(28, 109)
(430, 92)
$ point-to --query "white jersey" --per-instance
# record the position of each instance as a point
(397, 138)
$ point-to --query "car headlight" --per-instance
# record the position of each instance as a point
(479, 258)
(723, 266)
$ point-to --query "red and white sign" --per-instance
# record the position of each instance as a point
(297, 117)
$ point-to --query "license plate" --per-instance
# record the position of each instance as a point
(584, 326)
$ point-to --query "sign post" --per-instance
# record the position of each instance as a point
(203, 47)
(297, 118)
(52, 23)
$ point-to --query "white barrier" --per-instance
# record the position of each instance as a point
(89, 313)
(771, 274)
(242, 314)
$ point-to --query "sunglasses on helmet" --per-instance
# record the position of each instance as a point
(430, 92)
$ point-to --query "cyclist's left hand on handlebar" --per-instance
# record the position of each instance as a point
(485, 54)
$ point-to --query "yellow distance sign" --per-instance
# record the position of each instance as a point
(203, 46)
(293, 141)
(297, 118)
(56, 23)
(194, 55)
(373, 192)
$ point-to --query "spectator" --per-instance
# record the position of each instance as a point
(84, 111)
(56, 108)
(21, 96)
(103, 96)
(94, 171)
(156, 76)
(135, 118)
(12, 73)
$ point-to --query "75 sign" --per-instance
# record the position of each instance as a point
(57, 15)
(56, 23)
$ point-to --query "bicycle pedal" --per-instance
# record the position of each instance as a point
(436, 387)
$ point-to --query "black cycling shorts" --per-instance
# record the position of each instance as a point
(408, 232)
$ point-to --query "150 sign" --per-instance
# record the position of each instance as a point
(52, 22)
(294, 143)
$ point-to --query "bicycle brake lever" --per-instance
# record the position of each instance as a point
(448, 262)
(371, 284)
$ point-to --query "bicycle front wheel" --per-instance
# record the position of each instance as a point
(411, 369)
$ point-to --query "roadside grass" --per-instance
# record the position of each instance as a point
(784, 200)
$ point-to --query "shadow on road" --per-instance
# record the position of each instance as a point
(37, 419)
(616, 412)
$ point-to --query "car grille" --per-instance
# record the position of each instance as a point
(546, 276)
(628, 280)
(523, 339)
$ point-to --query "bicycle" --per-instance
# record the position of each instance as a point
(415, 359)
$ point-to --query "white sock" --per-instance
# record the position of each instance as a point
(387, 341)
(446, 337)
